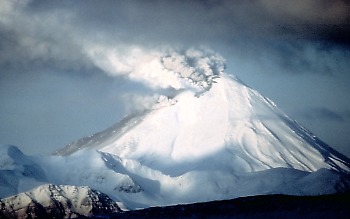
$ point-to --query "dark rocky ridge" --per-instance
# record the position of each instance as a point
(264, 206)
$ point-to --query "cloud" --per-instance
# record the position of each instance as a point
(301, 35)
(120, 37)
(32, 41)
(40, 34)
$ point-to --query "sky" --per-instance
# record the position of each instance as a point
(69, 69)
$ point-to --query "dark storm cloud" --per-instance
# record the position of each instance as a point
(303, 36)
(300, 36)
(219, 20)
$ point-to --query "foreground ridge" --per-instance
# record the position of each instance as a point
(267, 206)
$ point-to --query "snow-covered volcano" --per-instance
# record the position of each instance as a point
(210, 138)
(228, 126)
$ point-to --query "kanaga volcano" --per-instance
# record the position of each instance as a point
(210, 137)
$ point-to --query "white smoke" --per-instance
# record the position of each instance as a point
(162, 68)
(166, 71)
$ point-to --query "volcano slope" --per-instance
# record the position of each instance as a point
(224, 142)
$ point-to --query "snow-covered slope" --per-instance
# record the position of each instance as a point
(18, 172)
(133, 185)
(230, 126)
(52, 201)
